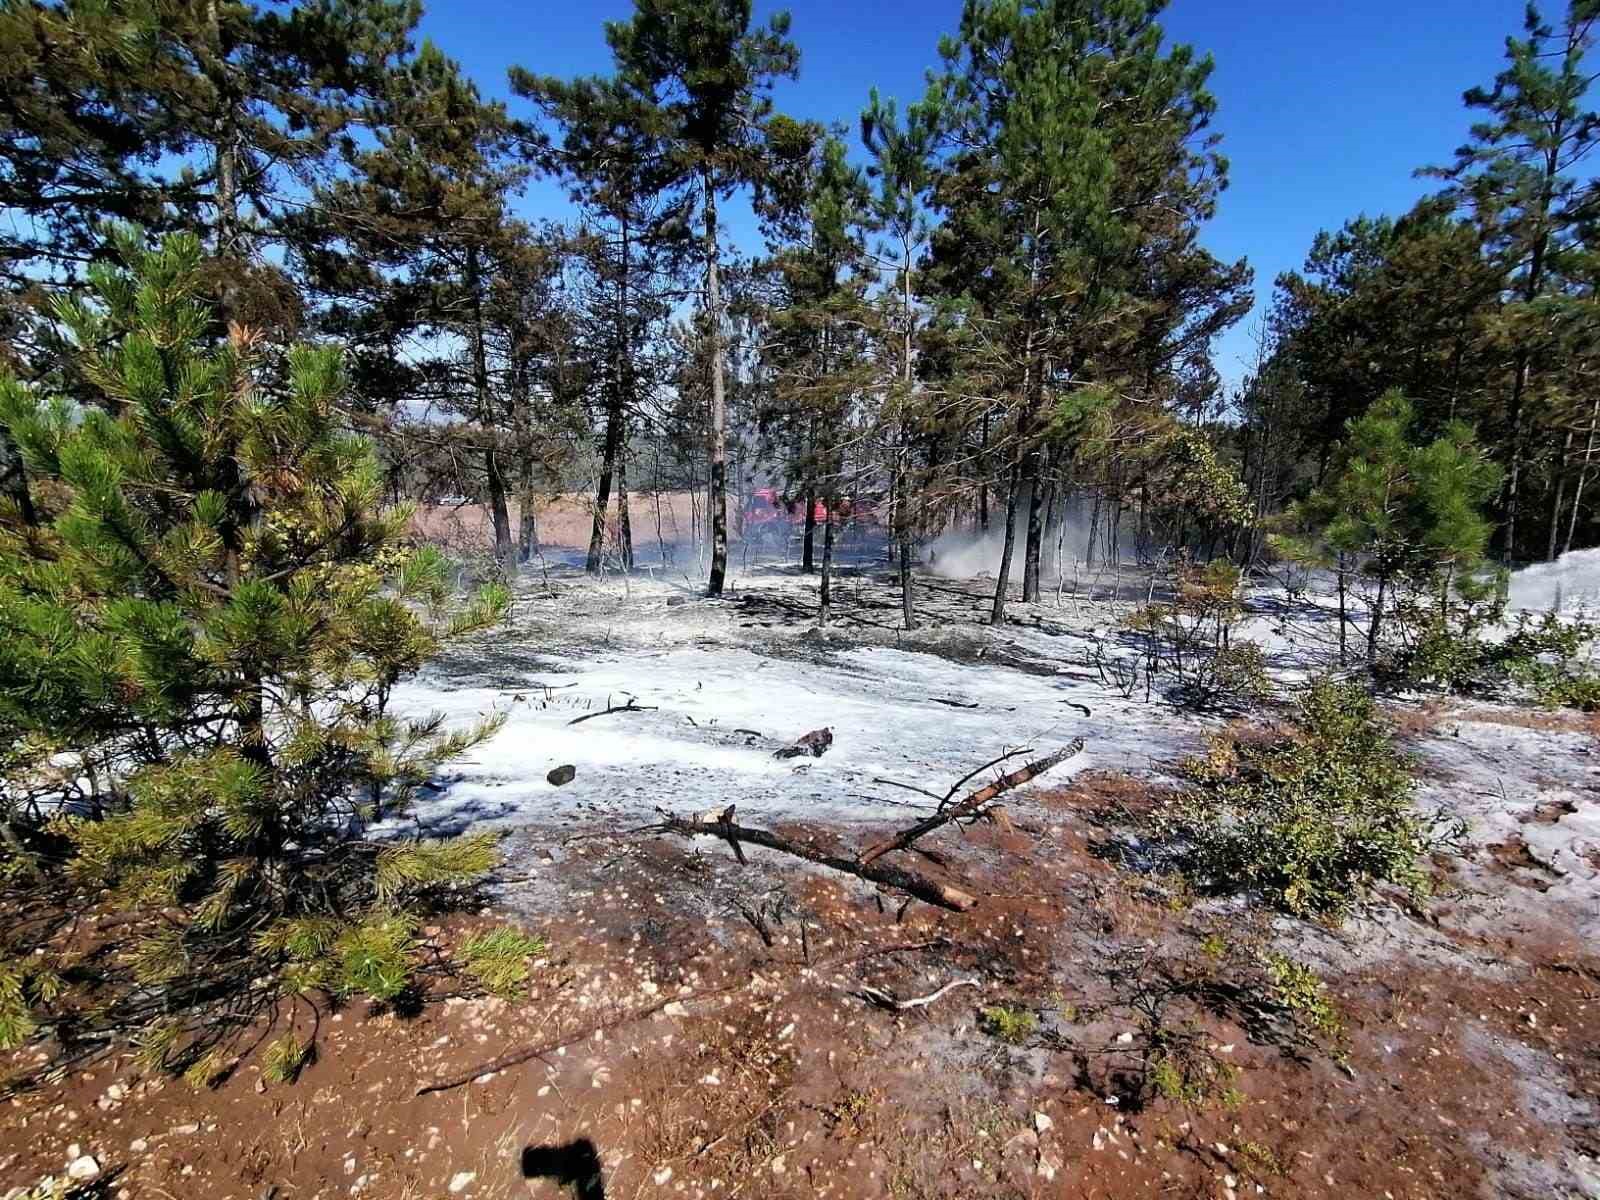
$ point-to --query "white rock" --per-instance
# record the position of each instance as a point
(138, 1145)
(1042, 1122)
(462, 1180)
(83, 1167)
(662, 1176)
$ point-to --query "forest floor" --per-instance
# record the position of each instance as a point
(711, 1028)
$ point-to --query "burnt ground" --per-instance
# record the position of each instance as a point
(720, 1041)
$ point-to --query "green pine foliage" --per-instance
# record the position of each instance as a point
(210, 608)
(498, 958)
(1405, 513)
(1309, 822)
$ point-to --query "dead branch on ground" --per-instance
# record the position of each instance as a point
(630, 706)
(971, 804)
(887, 1000)
(721, 825)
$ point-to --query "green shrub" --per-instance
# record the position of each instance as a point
(1549, 658)
(1189, 641)
(204, 609)
(1309, 821)
(1013, 1026)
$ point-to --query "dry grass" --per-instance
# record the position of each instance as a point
(564, 521)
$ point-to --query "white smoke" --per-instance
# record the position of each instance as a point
(1572, 581)
(964, 554)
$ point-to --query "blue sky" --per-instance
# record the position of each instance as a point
(1325, 106)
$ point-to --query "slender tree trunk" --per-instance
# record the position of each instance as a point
(1514, 458)
(528, 518)
(907, 382)
(527, 505)
(228, 243)
(1560, 497)
(825, 595)
(1533, 284)
(1376, 623)
(908, 616)
(500, 513)
(1035, 548)
(624, 515)
(719, 411)
(997, 614)
(1344, 617)
(808, 551)
(602, 491)
(1094, 531)
(1583, 476)
(983, 482)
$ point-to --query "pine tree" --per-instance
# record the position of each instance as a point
(633, 242)
(1517, 178)
(903, 167)
(410, 243)
(211, 613)
(1078, 169)
(815, 347)
(1401, 511)
(181, 114)
(709, 75)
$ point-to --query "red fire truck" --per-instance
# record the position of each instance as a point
(768, 519)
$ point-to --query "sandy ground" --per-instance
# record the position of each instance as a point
(706, 1028)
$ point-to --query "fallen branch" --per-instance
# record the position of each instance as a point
(883, 998)
(911, 787)
(951, 703)
(971, 804)
(516, 1058)
(630, 706)
(722, 826)
(979, 770)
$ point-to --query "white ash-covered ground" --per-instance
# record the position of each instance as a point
(719, 685)
(728, 682)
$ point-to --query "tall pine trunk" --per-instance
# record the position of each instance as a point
(997, 614)
(602, 491)
(1035, 547)
(1559, 499)
(624, 515)
(718, 498)
(615, 408)
(908, 614)
(498, 509)
(808, 558)
(825, 596)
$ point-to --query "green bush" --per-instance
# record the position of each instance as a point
(205, 604)
(1011, 1025)
(1548, 658)
(1189, 641)
(1309, 821)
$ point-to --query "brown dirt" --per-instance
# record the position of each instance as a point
(793, 1084)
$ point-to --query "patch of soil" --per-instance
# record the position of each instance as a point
(710, 1031)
